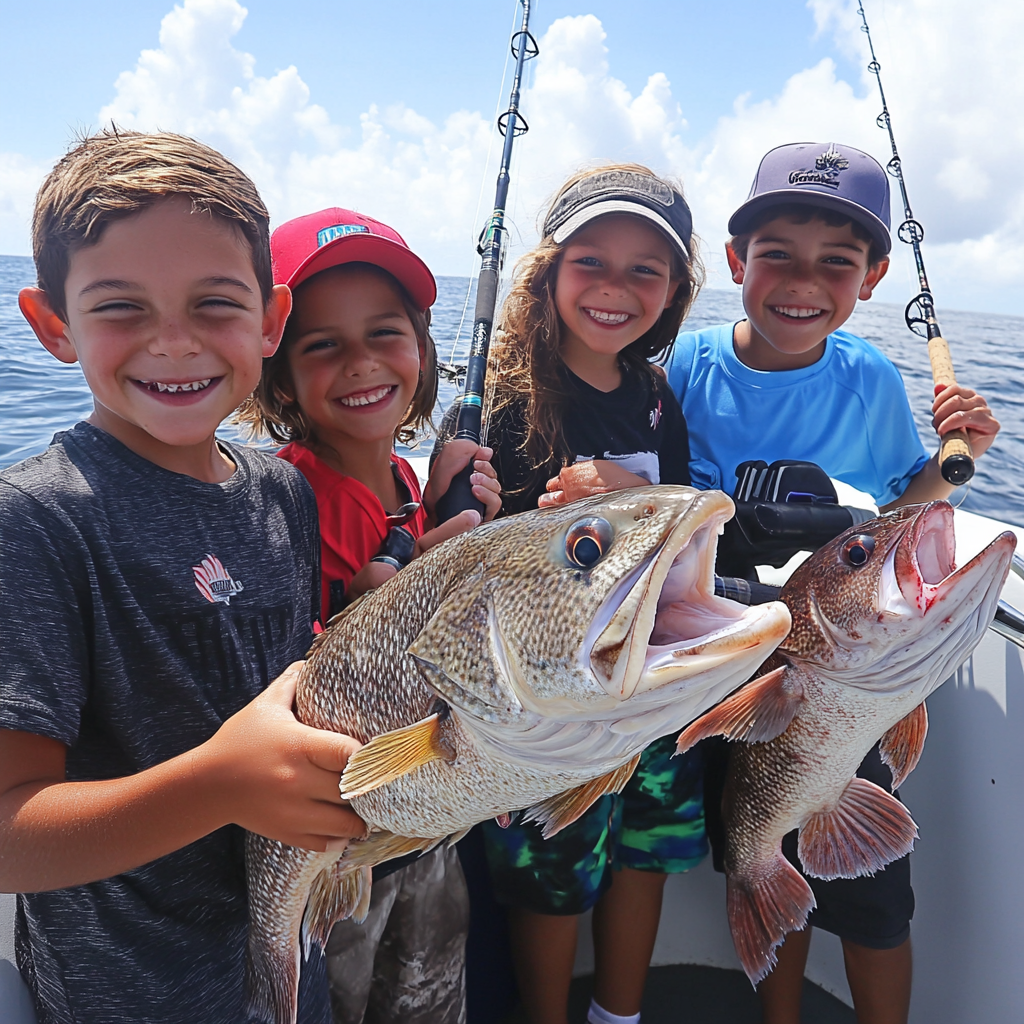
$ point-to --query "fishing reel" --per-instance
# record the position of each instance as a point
(781, 509)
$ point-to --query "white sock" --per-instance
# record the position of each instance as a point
(597, 1014)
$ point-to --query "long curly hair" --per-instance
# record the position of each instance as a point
(526, 360)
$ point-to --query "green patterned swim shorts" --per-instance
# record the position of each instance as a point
(655, 824)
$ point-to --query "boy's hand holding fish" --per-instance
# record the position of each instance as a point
(275, 776)
(262, 769)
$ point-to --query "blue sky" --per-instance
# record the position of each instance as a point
(436, 57)
(386, 107)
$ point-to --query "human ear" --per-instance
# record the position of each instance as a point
(872, 277)
(275, 316)
(737, 266)
(51, 331)
(673, 290)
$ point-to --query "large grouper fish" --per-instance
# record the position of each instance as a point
(881, 617)
(524, 665)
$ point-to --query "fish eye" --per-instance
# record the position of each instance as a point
(857, 550)
(587, 541)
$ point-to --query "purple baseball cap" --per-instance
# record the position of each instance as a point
(835, 177)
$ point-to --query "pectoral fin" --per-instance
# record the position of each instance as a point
(393, 754)
(866, 830)
(755, 713)
(565, 808)
(902, 745)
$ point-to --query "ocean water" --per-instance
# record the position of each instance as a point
(39, 395)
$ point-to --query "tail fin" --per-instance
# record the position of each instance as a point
(763, 910)
(279, 879)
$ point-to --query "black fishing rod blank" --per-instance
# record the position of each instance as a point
(956, 459)
(511, 124)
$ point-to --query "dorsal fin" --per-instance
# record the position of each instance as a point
(755, 713)
(902, 745)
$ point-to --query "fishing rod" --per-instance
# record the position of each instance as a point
(956, 459)
(511, 124)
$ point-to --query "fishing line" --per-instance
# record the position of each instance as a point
(511, 124)
(955, 457)
(451, 371)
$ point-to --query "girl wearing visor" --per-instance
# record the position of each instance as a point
(604, 292)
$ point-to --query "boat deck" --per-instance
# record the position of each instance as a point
(688, 994)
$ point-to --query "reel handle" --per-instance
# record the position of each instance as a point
(956, 460)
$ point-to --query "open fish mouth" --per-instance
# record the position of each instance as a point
(663, 623)
(921, 568)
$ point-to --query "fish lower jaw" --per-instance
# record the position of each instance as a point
(710, 635)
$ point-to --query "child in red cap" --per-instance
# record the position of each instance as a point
(356, 372)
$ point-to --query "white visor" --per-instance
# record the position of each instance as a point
(588, 213)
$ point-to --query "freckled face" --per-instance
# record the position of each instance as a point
(354, 357)
(166, 318)
(801, 282)
(614, 282)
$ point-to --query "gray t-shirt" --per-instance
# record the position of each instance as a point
(139, 609)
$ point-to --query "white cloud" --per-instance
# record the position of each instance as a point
(19, 180)
(955, 88)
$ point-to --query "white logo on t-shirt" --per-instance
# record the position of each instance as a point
(214, 581)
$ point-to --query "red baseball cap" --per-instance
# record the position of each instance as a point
(306, 245)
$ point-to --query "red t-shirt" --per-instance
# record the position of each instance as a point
(353, 522)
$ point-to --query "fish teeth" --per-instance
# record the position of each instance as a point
(798, 312)
(367, 398)
(607, 318)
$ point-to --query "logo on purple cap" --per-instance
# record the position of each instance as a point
(826, 170)
(325, 235)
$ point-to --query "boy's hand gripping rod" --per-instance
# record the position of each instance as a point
(955, 457)
(459, 495)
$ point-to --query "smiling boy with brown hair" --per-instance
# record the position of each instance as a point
(788, 382)
(153, 581)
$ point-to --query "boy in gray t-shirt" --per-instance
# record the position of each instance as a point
(153, 582)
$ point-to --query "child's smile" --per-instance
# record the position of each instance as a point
(614, 282)
(165, 314)
(353, 356)
(178, 392)
(800, 283)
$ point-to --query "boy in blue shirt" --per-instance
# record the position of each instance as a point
(788, 383)
(153, 581)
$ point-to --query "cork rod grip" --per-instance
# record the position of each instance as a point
(956, 459)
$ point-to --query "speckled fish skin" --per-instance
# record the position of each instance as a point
(544, 675)
(869, 643)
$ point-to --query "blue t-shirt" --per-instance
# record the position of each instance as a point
(848, 412)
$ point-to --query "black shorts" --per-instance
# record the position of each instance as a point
(872, 911)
